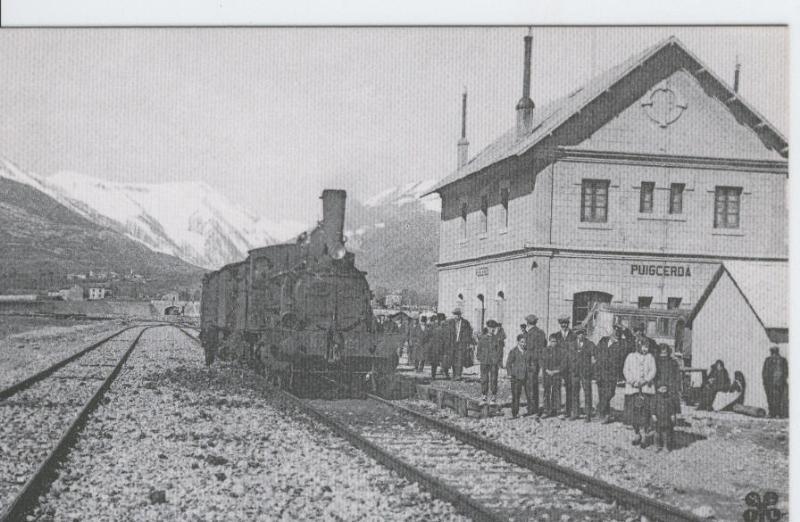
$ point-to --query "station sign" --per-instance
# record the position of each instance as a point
(482, 271)
(661, 270)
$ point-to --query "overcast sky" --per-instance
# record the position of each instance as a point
(273, 116)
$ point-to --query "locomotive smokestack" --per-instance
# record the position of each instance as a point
(333, 205)
(525, 105)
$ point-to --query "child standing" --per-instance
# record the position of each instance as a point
(517, 370)
(663, 418)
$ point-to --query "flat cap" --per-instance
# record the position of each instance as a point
(639, 327)
(491, 323)
(579, 330)
(457, 311)
(563, 318)
(531, 318)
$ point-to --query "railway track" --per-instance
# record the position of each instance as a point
(43, 374)
(480, 477)
(56, 403)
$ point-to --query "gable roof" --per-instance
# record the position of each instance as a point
(548, 118)
(763, 286)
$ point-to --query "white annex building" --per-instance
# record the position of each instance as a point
(630, 190)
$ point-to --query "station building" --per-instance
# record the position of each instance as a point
(631, 190)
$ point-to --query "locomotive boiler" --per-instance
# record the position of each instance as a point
(300, 313)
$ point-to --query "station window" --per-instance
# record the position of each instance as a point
(484, 213)
(463, 220)
(645, 301)
(676, 198)
(646, 196)
(673, 303)
(504, 207)
(594, 200)
(726, 207)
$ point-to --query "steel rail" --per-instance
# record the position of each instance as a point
(650, 507)
(436, 487)
(37, 484)
(41, 375)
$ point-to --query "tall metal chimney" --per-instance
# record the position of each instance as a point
(736, 76)
(525, 106)
(333, 205)
(463, 143)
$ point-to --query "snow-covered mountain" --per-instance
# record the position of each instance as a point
(394, 234)
(188, 220)
(405, 194)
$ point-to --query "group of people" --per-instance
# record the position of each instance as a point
(444, 344)
(567, 362)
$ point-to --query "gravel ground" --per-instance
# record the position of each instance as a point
(507, 489)
(26, 353)
(33, 420)
(177, 442)
(721, 456)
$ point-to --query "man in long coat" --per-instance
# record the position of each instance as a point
(565, 336)
(536, 342)
(775, 375)
(581, 359)
(416, 355)
(490, 357)
(609, 352)
(440, 347)
(459, 340)
(429, 347)
(554, 368)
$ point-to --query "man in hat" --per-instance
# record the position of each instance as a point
(536, 341)
(607, 369)
(490, 357)
(517, 370)
(565, 336)
(429, 340)
(442, 343)
(415, 351)
(775, 375)
(639, 334)
(581, 354)
(554, 366)
(459, 340)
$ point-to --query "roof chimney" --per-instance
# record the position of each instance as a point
(525, 105)
(463, 143)
(736, 76)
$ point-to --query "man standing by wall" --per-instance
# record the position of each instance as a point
(565, 336)
(490, 357)
(554, 366)
(459, 333)
(536, 341)
(581, 355)
(775, 375)
(606, 370)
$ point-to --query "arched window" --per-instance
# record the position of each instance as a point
(582, 303)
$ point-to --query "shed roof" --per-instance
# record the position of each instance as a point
(548, 118)
(764, 285)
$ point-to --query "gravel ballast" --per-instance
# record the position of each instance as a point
(174, 441)
(720, 456)
(34, 419)
(24, 354)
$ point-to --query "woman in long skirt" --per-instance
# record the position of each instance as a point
(639, 372)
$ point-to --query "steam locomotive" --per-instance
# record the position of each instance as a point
(300, 313)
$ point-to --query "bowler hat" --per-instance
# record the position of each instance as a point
(491, 323)
(531, 319)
